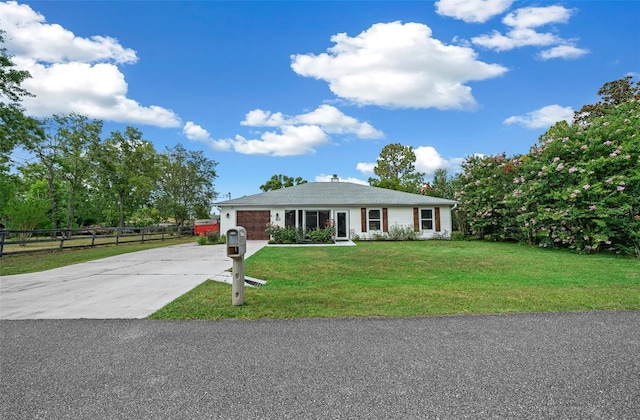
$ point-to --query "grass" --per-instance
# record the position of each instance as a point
(46, 260)
(400, 279)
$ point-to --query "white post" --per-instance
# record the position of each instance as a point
(237, 287)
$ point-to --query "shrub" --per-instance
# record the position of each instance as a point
(578, 188)
(457, 236)
(402, 233)
(322, 235)
(202, 239)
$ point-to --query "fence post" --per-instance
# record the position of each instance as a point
(93, 237)
(2, 233)
(117, 235)
(62, 236)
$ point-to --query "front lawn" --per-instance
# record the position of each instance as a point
(402, 279)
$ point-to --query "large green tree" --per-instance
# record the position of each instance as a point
(395, 169)
(279, 181)
(186, 184)
(46, 148)
(13, 124)
(78, 138)
(578, 188)
(126, 173)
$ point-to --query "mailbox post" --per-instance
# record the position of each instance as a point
(236, 248)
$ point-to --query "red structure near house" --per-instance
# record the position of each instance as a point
(204, 226)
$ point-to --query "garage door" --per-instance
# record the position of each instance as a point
(255, 222)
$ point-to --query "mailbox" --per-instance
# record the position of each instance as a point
(236, 242)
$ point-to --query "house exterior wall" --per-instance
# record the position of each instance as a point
(401, 216)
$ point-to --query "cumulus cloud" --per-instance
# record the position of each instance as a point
(327, 117)
(397, 65)
(289, 135)
(194, 132)
(542, 118)
(74, 74)
(568, 52)
(366, 168)
(428, 159)
(523, 23)
(290, 141)
(472, 11)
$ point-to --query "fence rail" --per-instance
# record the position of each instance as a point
(29, 241)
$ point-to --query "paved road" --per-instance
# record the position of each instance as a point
(131, 285)
(582, 365)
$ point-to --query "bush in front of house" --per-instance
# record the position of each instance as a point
(457, 236)
(287, 235)
(211, 238)
(402, 233)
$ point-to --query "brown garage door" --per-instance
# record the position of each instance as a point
(255, 222)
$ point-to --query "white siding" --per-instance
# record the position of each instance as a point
(402, 216)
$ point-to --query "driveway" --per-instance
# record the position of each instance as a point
(131, 285)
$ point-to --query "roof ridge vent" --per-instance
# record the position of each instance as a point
(335, 178)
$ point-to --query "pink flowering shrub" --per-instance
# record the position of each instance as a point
(578, 188)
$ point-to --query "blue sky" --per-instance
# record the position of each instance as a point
(315, 88)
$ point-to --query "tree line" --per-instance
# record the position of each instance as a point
(76, 176)
(578, 188)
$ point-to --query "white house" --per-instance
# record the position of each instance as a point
(354, 209)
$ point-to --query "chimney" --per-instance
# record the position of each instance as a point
(335, 178)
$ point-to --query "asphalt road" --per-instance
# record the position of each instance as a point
(583, 365)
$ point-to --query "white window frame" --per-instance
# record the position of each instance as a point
(427, 219)
(370, 219)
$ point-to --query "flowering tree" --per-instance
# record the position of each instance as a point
(578, 188)
(486, 187)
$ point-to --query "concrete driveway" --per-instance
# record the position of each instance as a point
(132, 285)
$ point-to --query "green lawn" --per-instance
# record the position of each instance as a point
(417, 278)
(46, 260)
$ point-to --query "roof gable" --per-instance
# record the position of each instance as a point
(335, 194)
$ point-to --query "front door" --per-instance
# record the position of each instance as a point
(342, 225)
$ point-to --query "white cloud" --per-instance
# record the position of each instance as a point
(522, 33)
(472, 11)
(195, 132)
(291, 141)
(398, 65)
(568, 52)
(366, 168)
(516, 38)
(293, 135)
(428, 159)
(542, 118)
(260, 118)
(533, 17)
(29, 35)
(327, 178)
(73, 74)
(327, 117)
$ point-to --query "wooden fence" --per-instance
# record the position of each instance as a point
(29, 241)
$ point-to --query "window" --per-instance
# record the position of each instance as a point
(316, 219)
(375, 219)
(426, 219)
(290, 219)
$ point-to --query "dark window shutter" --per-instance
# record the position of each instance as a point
(416, 219)
(385, 220)
(363, 217)
(437, 217)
